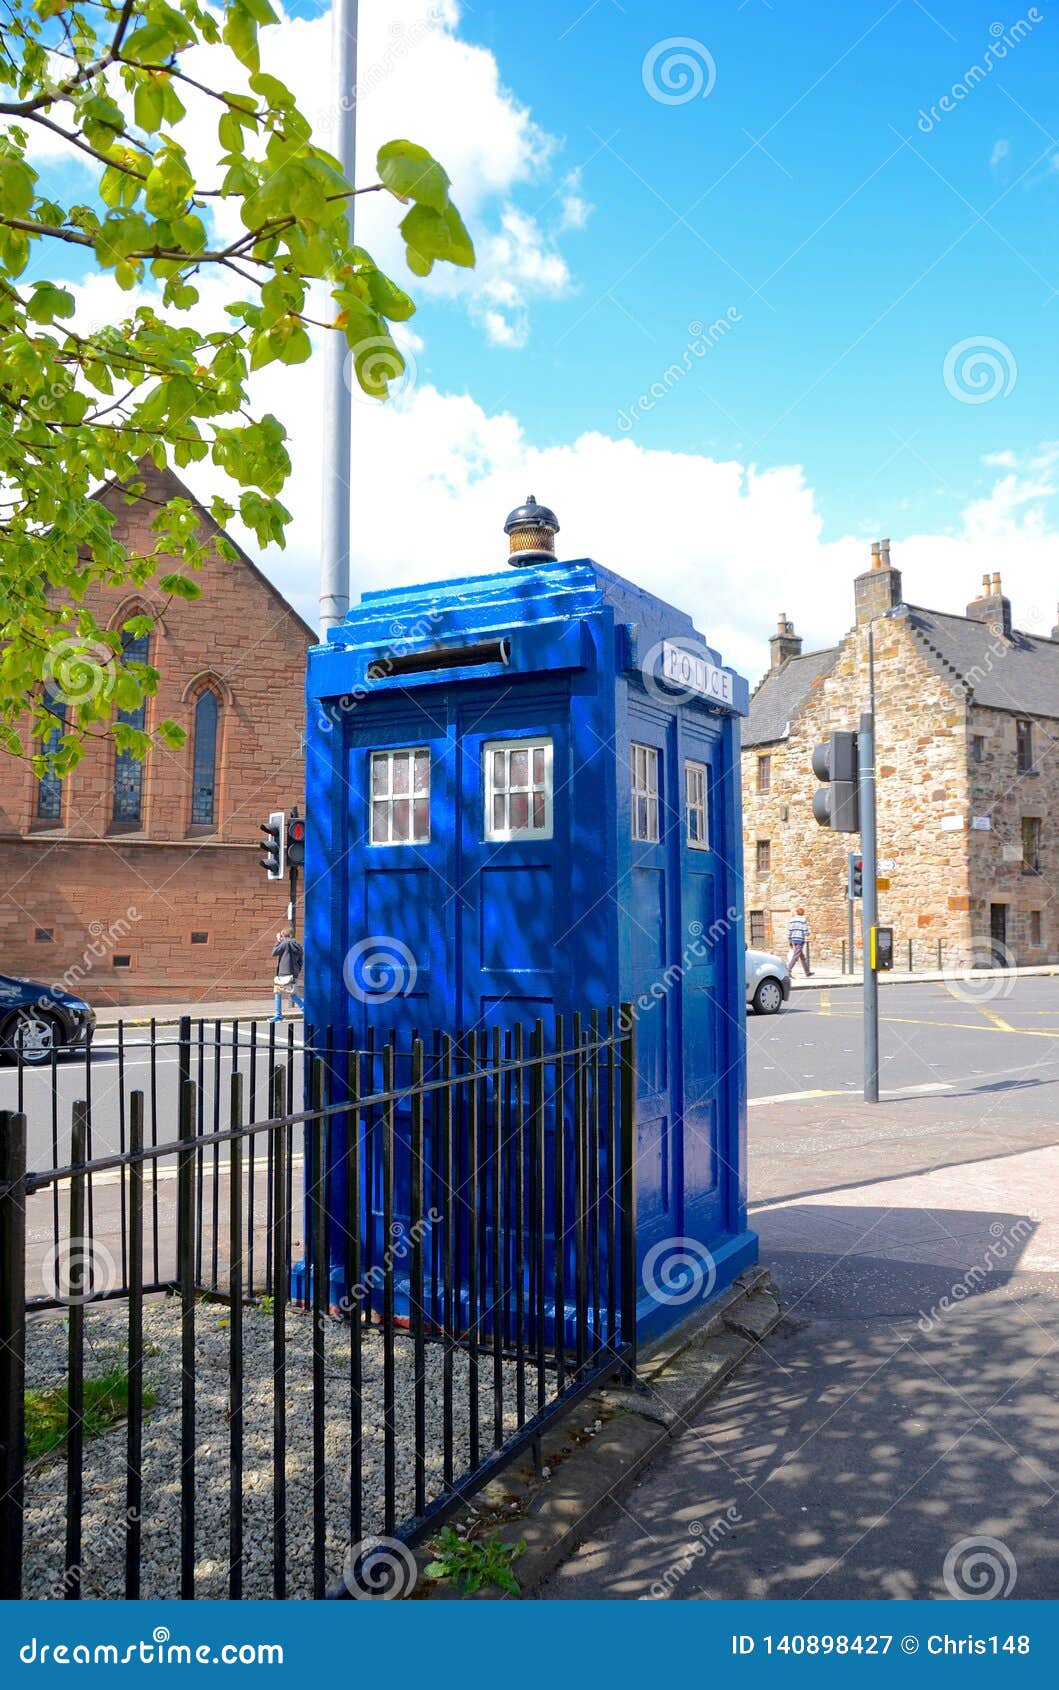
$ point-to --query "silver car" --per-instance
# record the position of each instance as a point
(768, 982)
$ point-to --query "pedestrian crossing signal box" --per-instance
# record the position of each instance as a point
(524, 787)
(882, 949)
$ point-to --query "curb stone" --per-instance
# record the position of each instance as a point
(676, 1376)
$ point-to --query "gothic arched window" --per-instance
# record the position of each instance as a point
(204, 761)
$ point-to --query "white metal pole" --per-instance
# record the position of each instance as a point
(337, 469)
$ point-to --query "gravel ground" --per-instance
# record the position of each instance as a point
(105, 1467)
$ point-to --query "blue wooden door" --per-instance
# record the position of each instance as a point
(705, 925)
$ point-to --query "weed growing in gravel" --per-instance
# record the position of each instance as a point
(471, 1564)
(106, 1401)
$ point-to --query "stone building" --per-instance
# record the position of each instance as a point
(134, 882)
(967, 726)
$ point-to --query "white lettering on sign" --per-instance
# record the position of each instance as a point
(984, 824)
(692, 673)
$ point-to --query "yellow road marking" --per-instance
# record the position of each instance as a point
(965, 1026)
(998, 1021)
(825, 1003)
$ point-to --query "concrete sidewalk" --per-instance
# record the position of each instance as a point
(168, 1014)
(902, 1420)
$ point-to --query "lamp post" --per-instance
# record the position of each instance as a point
(336, 454)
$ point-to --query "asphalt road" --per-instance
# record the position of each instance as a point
(953, 1035)
(961, 1081)
(48, 1117)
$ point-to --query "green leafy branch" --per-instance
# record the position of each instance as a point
(80, 408)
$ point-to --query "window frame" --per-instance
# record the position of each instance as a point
(390, 752)
(978, 748)
(756, 941)
(198, 821)
(530, 743)
(764, 771)
(767, 868)
(124, 762)
(1024, 745)
(1037, 929)
(643, 791)
(695, 766)
(1032, 831)
(50, 782)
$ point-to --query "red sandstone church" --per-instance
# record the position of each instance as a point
(137, 882)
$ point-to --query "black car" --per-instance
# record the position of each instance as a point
(36, 1019)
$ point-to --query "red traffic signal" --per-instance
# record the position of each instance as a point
(295, 842)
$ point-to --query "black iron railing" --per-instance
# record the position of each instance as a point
(327, 1324)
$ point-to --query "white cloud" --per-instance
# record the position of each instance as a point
(416, 80)
(434, 475)
(731, 543)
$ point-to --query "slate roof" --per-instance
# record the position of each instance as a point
(1019, 673)
(779, 697)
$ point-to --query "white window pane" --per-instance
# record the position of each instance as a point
(518, 795)
(394, 777)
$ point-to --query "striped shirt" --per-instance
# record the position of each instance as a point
(798, 931)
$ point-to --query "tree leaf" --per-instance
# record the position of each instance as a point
(410, 172)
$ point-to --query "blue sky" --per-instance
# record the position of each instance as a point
(635, 172)
(857, 254)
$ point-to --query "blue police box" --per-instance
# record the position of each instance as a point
(523, 798)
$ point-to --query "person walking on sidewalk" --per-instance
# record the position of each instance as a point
(289, 959)
(798, 939)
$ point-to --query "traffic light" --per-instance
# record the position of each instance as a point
(274, 844)
(855, 876)
(295, 840)
(837, 804)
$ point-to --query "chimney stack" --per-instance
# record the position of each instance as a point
(1055, 632)
(785, 643)
(879, 589)
(991, 606)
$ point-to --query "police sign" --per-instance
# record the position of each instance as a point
(692, 673)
